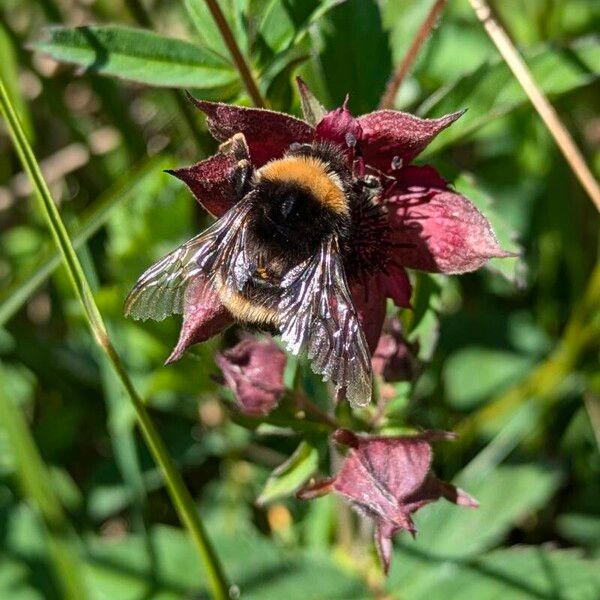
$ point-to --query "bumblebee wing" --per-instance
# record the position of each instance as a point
(316, 312)
(159, 292)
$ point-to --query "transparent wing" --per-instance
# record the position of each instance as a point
(159, 292)
(317, 313)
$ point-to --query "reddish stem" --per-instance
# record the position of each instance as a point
(236, 53)
(388, 98)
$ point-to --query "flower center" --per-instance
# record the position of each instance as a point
(368, 244)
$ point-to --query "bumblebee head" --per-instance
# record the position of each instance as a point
(303, 197)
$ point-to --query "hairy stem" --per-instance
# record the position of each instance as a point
(389, 96)
(549, 116)
(182, 500)
(236, 54)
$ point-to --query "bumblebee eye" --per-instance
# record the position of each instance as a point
(289, 207)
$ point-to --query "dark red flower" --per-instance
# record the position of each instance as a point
(416, 220)
(395, 357)
(253, 369)
(388, 479)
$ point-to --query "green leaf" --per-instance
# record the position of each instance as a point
(513, 269)
(520, 573)
(506, 495)
(580, 529)
(15, 580)
(123, 569)
(207, 30)
(491, 91)
(284, 24)
(9, 70)
(349, 67)
(138, 55)
(91, 221)
(473, 374)
(312, 109)
(291, 474)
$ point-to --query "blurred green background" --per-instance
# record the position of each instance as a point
(509, 355)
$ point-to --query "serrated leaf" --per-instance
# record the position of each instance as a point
(491, 91)
(138, 55)
(513, 269)
(290, 475)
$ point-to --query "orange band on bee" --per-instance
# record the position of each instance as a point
(310, 173)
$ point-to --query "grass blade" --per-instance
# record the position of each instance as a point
(180, 495)
(35, 482)
(549, 116)
(12, 299)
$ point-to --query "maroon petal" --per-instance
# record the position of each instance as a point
(253, 369)
(424, 176)
(268, 133)
(439, 231)
(391, 138)
(204, 316)
(395, 284)
(395, 357)
(384, 532)
(210, 183)
(340, 126)
(396, 467)
(388, 479)
(369, 301)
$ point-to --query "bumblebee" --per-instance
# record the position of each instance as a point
(276, 260)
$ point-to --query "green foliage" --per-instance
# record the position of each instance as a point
(507, 357)
(138, 55)
(290, 475)
(359, 69)
(491, 91)
(520, 573)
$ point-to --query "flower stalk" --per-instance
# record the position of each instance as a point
(182, 500)
(236, 53)
(389, 96)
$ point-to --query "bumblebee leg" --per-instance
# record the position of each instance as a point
(236, 147)
(241, 177)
